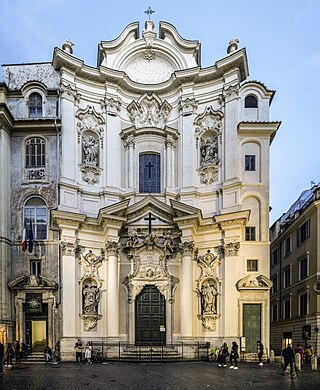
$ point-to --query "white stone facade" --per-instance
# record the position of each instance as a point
(199, 236)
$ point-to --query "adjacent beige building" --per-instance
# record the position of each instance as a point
(295, 273)
(149, 192)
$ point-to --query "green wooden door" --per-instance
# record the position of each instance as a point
(251, 326)
(150, 316)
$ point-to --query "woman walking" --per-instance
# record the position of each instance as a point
(234, 356)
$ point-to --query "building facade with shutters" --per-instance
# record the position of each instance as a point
(146, 182)
(295, 273)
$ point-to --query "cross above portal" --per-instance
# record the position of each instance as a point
(149, 12)
(149, 219)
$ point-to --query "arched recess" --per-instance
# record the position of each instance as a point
(34, 92)
(253, 204)
(250, 168)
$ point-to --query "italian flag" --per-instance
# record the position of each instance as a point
(25, 236)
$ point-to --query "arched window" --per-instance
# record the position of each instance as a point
(251, 102)
(149, 173)
(35, 153)
(35, 210)
(35, 105)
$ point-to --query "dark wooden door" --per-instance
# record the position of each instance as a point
(252, 325)
(150, 317)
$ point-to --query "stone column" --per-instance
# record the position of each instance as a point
(113, 290)
(51, 333)
(186, 289)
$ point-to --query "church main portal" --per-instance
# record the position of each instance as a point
(150, 317)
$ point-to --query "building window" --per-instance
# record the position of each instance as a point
(287, 308)
(35, 105)
(287, 277)
(35, 210)
(252, 265)
(303, 304)
(303, 233)
(35, 267)
(287, 246)
(35, 153)
(149, 173)
(251, 102)
(250, 162)
(250, 233)
(303, 268)
(274, 288)
(275, 256)
(275, 312)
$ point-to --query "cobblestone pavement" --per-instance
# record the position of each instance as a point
(155, 376)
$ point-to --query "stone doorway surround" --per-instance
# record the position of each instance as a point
(32, 284)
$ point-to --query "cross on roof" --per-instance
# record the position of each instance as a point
(150, 219)
(149, 12)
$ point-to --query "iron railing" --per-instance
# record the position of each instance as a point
(126, 352)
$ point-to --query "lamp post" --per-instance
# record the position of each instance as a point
(315, 348)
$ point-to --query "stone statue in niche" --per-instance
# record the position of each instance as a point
(209, 297)
(90, 147)
(91, 298)
(208, 151)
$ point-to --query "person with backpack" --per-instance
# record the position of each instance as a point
(288, 356)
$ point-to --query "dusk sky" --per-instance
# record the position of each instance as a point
(281, 38)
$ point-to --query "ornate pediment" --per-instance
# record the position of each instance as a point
(149, 111)
(90, 120)
(209, 121)
(31, 282)
(252, 282)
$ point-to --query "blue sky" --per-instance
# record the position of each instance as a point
(281, 38)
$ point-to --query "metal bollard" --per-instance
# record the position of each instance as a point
(314, 363)
(271, 356)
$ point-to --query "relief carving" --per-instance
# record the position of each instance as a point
(207, 289)
(207, 133)
(90, 287)
(149, 254)
(149, 111)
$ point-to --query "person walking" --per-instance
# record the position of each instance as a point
(9, 355)
(234, 356)
(16, 347)
(88, 353)
(223, 353)
(1, 357)
(78, 348)
(260, 352)
(288, 356)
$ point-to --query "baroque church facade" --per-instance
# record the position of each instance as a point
(145, 182)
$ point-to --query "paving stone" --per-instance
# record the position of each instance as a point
(154, 376)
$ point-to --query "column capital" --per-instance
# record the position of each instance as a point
(186, 248)
(112, 248)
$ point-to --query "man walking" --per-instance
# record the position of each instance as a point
(260, 352)
(288, 356)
